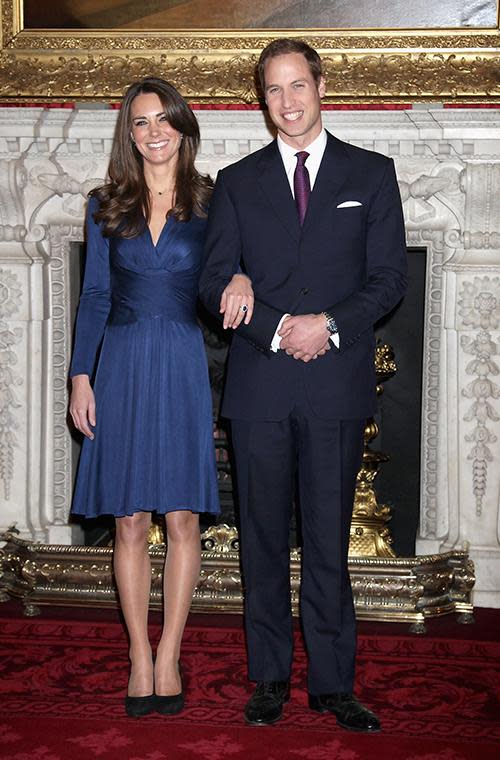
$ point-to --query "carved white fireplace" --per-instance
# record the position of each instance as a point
(448, 164)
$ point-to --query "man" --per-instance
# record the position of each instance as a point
(317, 225)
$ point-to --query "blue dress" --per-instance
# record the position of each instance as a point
(153, 446)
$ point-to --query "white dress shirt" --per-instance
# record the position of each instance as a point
(289, 158)
(313, 162)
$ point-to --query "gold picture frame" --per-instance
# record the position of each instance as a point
(362, 66)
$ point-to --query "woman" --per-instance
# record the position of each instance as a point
(148, 430)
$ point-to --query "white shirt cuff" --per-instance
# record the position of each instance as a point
(335, 338)
(275, 343)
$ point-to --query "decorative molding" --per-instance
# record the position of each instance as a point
(431, 384)
(428, 197)
(250, 41)
(60, 237)
(12, 232)
(217, 66)
(8, 30)
(385, 589)
(479, 308)
(10, 303)
(351, 76)
(433, 210)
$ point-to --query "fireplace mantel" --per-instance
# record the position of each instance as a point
(448, 165)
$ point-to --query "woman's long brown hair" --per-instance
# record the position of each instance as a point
(124, 202)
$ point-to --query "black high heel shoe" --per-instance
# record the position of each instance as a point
(172, 704)
(137, 707)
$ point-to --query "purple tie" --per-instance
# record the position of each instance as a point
(301, 184)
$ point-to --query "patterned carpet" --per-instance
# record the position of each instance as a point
(63, 675)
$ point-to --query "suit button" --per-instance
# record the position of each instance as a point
(304, 291)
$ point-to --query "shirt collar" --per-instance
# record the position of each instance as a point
(315, 149)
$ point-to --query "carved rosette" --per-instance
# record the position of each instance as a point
(479, 308)
(10, 302)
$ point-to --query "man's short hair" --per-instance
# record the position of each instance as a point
(283, 46)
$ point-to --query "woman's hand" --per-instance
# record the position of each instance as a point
(236, 302)
(82, 405)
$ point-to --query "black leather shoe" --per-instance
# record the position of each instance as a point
(265, 706)
(170, 705)
(136, 707)
(349, 712)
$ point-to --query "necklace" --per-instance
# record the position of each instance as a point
(162, 192)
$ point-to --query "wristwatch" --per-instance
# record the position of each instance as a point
(331, 325)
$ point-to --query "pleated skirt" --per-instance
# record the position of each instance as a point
(153, 447)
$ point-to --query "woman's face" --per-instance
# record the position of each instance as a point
(157, 142)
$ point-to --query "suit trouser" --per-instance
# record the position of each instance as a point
(324, 456)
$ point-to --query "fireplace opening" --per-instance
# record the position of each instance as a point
(398, 417)
(400, 410)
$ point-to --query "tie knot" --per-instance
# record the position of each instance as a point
(302, 157)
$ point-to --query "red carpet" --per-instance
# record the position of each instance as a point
(63, 677)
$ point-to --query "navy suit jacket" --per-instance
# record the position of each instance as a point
(348, 261)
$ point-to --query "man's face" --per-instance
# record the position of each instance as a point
(293, 99)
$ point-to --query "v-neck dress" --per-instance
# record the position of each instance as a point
(153, 447)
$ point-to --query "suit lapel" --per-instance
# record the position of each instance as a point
(333, 172)
(274, 183)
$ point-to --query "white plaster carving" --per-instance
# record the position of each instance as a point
(448, 165)
(10, 301)
(479, 307)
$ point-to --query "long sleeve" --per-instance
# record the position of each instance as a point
(386, 265)
(222, 260)
(95, 299)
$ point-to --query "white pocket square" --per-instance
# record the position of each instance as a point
(349, 204)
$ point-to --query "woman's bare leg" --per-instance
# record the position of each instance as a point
(132, 568)
(182, 570)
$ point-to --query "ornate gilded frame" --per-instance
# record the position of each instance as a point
(367, 66)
